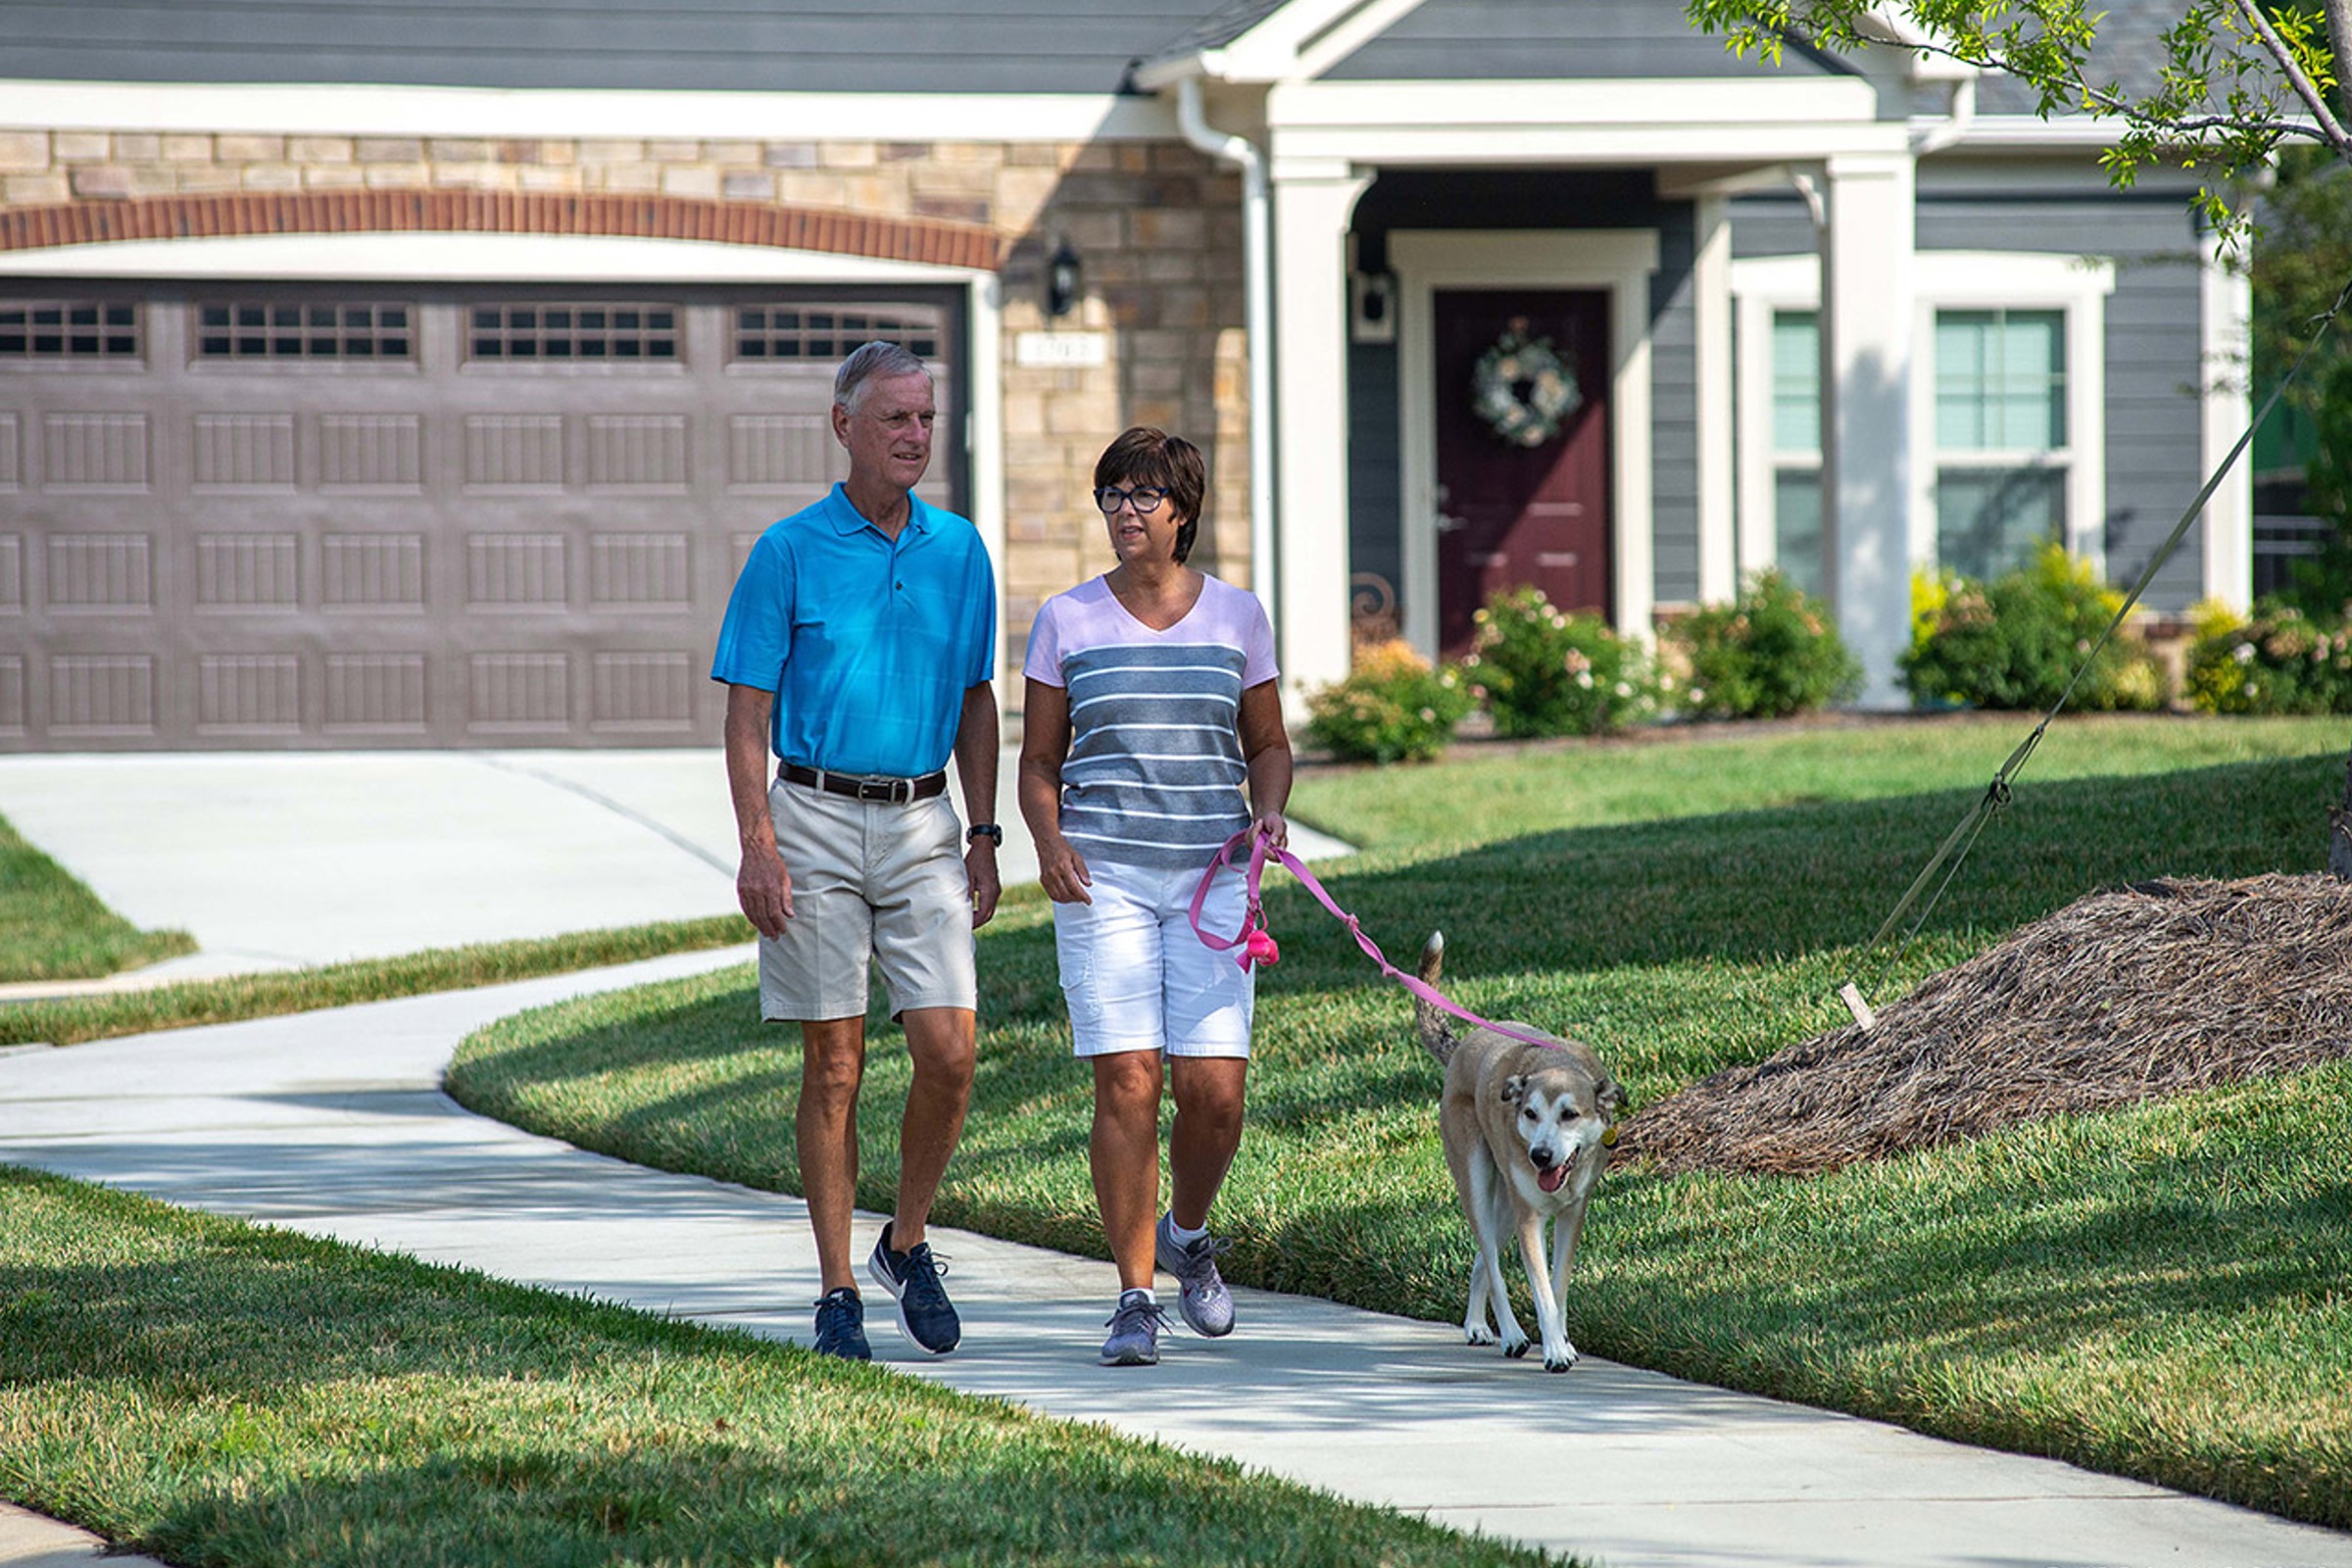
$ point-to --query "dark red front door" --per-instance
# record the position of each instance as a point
(1508, 512)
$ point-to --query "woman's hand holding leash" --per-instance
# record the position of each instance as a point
(1253, 937)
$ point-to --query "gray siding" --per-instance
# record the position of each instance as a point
(1522, 39)
(1375, 509)
(1068, 46)
(1674, 410)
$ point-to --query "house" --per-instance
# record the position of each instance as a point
(370, 383)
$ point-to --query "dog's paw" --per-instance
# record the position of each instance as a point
(1478, 1334)
(1560, 1360)
(1516, 1347)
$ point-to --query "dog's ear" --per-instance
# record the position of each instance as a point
(1514, 1089)
(1609, 1093)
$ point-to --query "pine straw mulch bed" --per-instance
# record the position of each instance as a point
(2121, 997)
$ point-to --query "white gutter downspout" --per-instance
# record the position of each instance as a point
(1257, 320)
(1935, 138)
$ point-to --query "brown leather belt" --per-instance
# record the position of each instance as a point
(861, 787)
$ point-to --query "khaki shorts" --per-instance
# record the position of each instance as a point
(873, 885)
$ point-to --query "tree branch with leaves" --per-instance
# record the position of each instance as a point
(2235, 80)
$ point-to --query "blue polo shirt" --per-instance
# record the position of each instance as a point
(869, 642)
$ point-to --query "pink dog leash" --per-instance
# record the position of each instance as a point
(1258, 943)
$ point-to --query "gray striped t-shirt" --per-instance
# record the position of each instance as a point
(1155, 773)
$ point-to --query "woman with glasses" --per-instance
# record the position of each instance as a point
(1152, 732)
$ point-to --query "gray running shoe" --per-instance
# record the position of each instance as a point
(1206, 1303)
(925, 1314)
(1134, 1332)
(841, 1326)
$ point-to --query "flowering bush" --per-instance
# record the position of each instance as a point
(2278, 662)
(1392, 708)
(1770, 653)
(2016, 641)
(1541, 671)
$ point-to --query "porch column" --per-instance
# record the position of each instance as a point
(2227, 530)
(1718, 476)
(1866, 332)
(1312, 201)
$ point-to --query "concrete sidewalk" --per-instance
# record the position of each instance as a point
(275, 860)
(333, 1124)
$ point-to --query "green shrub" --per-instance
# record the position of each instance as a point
(2016, 641)
(1541, 672)
(1771, 653)
(2278, 663)
(1392, 708)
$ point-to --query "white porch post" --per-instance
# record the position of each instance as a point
(1866, 319)
(1312, 201)
(1711, 285)
(2226, 296)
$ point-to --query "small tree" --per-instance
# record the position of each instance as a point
(2237, 82)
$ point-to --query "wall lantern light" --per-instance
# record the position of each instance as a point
(1061, 281)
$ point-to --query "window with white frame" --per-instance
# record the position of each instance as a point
(2001, 456)
(1796, 448)
(2008, 411)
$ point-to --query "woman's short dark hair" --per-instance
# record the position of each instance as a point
(1142, 455)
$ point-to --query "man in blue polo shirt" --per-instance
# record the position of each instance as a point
(858, 650)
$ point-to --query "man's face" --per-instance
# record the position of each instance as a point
(889, 437)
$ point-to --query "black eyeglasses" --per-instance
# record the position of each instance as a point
(1145, 498)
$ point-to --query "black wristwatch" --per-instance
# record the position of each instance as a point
(985, 830)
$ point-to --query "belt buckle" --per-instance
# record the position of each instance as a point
(885, 790)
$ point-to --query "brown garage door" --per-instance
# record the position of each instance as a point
(368, 515)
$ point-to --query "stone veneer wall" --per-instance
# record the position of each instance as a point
(1156, 226)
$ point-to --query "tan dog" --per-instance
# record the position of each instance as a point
(1524, 1127)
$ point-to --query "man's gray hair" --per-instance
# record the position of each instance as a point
(874, 361)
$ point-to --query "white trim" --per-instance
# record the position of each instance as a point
(1302, 38)
(567, 258)
(487, 258)
(2225, 313)
(1312, 211)
(1644, 123)
(1479, 105)
(582, 112)
(984, 441)
(1761, 287)
(2022, 280)
(1619, 261)
(1982, 281)
(1712, 365)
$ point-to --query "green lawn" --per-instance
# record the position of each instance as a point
(2159, 1293)
(220, 1393)
(53, 928)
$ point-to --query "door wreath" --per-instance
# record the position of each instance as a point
(1522, 388)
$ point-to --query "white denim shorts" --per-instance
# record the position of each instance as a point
(873, 885)
(1137, 978)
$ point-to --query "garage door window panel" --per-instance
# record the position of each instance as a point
(794, 335)
(574, 334)
(66, 332)
(288, 331)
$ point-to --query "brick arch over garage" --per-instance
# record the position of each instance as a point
(211, 216)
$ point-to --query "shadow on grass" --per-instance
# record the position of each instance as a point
(322, 1406)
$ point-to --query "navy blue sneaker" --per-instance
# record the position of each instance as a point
(925, 1314)
(841, 1326)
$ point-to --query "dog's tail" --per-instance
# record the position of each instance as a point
(1437, 1030)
